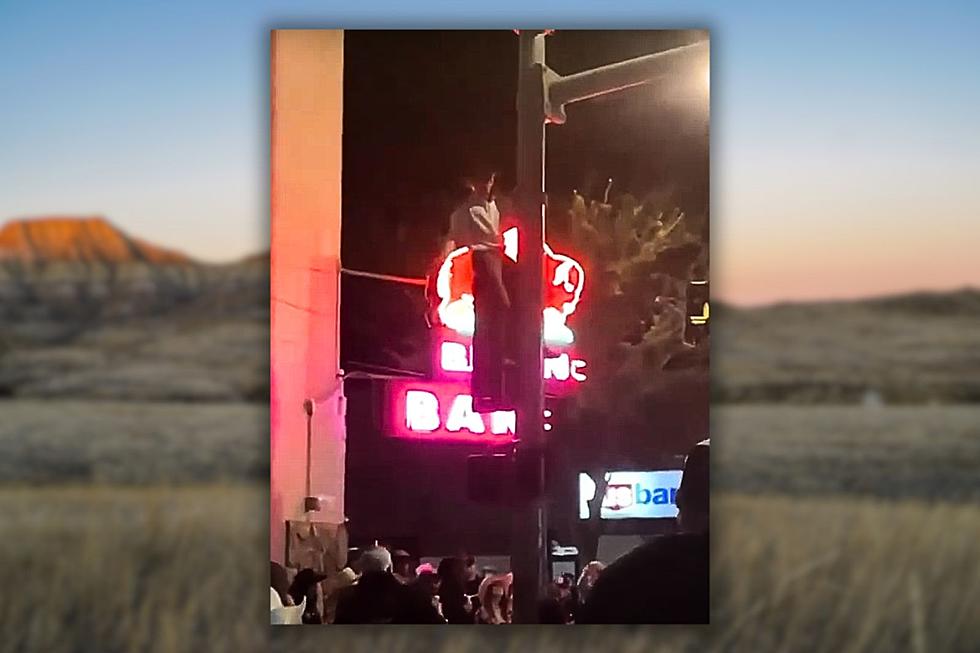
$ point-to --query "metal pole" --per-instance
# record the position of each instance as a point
(528, 548)
(541, 96)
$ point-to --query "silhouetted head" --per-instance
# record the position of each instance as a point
(480, 180)
(376, 558)
(452, 572)
(694, 493)
(280, 581)
(402, 563)
(471, 571)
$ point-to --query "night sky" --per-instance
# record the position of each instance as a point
(422, 106)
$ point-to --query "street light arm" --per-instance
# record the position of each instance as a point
(588, 84)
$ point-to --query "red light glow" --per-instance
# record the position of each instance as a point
(564, 280)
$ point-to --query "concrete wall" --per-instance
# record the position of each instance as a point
(307, 103)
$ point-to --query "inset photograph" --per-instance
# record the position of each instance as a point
(489, 327)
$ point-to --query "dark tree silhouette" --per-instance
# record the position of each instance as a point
(647, 395)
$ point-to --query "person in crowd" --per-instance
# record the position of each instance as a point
(280, 583)
(342, 580)
(494, 593)
(455, 608)
(426, 582)
(378, 598)
(476, 224)
(353, 559)
(306, 585)
(472, 579)
(402, 566)
(586, 580)
(550, 611)
(665, 580)
(567, 596)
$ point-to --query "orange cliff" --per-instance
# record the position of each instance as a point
(78, 239)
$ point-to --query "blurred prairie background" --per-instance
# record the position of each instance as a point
(134, 459)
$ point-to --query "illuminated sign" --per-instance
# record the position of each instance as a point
(426, 410)
(454, 359)
(564, 280)
(441, 409)
(633, 495)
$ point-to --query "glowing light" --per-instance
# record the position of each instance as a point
(443, 411)
(421, 411)
(558, 368)
(703, 318)
(547, 427)
(510, 244)
(457, 358)
(547, 413)
(461, 416)
(503, 422)
(564, 279)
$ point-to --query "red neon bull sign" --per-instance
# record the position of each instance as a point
(441, 409)
(564, 280)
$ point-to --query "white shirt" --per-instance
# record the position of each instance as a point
(476, 224)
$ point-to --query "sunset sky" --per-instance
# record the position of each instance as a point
(845, 138)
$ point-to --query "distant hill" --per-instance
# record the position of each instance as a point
(87, 310)
(60, 276)
(83, 240)
(910, 348)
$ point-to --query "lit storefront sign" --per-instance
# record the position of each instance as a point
(633, 495)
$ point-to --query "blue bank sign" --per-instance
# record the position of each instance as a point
(633, 495)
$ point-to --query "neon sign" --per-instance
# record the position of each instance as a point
(564, 281)
(456, 358)
(441, 408)
(426, 410)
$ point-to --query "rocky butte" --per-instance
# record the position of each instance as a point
(57, 272)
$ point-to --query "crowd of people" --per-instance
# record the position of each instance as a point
(662, 581)
(381, 586)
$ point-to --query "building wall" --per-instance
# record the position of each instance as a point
(306, 141)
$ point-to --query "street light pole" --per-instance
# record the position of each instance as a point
(541, 98)
(529, 549)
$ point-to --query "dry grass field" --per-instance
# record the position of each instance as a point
(171, 570)
(892, 452)
(918, 452)
(134, 527)
(134, 442)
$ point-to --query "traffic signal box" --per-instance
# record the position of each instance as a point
(696, 322)
(505, 478)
